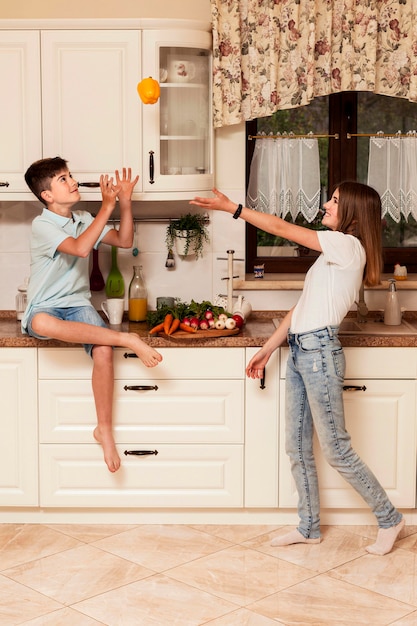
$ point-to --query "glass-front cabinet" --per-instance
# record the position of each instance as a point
(177, 131)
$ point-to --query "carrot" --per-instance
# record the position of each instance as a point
(167, 322)
(174, 326)
(157, 329)
(187, 328)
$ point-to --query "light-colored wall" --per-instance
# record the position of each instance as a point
(192, 9)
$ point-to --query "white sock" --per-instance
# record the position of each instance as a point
(293, 537)
(385, 539)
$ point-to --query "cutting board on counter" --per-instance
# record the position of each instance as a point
(182, 335)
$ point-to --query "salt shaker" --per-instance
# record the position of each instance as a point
(21, 299)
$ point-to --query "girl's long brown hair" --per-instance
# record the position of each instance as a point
(359, 211)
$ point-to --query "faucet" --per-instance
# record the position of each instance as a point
(362, 310)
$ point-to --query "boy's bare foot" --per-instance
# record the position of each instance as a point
(111, 455)
(148, 355)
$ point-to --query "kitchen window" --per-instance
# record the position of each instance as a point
(340, 159)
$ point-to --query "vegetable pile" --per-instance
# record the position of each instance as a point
(191, 318)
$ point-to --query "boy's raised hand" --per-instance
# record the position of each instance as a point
(125, 184)
(109, 192)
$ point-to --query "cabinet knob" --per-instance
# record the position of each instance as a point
(5, 184)
(141, 452)
(140, 387)
(354, 388)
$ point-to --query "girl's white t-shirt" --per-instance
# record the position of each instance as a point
(332, 283)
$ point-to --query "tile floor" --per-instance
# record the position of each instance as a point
(186, 575)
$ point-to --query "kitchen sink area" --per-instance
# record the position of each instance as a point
(372, 326)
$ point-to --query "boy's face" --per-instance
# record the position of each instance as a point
(63, 189)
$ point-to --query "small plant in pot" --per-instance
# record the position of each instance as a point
(189, 234)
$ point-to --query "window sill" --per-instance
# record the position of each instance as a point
(295, 282)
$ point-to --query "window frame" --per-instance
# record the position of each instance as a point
(342, 166)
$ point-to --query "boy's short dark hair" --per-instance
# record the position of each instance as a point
(40, 173)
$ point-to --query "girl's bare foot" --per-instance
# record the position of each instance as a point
(111, 456)
(148, 355)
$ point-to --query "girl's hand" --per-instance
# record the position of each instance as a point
(219, 203)
(256, 366)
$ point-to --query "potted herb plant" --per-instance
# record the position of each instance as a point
(188, 233)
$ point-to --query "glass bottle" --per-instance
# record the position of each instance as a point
(138, 296)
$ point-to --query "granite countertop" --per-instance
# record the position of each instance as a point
(255, 333)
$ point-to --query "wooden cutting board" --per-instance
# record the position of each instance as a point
(200, 334)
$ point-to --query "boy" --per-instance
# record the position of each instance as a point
(59, 295)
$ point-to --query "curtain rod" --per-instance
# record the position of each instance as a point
(398, 135)
(291, 136)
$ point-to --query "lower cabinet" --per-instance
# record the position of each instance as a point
(19, 428)
(380, 409)
(178, 427)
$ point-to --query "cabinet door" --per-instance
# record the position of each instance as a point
(90, 106)
(381, 422)
(177, 131)
(20, 119)
(261, 436)
(19, 431)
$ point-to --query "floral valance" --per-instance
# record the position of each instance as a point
(280, 54)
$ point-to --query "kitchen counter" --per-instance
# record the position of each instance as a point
(255, 333)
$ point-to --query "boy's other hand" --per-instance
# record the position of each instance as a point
(109, 191)
(125, 184)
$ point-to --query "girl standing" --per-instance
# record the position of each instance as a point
(350, 251)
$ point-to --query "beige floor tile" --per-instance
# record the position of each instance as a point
(337, 547)
(19, 604)
(77, 574)
(155, 601)
(234, 533)
(325, 602)
(239, 574)
(243, 617)
(410, 620)
(161, 547)
(408, 543)
(393, 575)
(91, 532)
(64, 617)
(20, 543)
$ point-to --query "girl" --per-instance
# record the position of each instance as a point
(350, 252)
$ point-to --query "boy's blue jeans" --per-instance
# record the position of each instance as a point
(86, 314)
(314, 390)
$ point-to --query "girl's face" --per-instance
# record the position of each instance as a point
(331, 218)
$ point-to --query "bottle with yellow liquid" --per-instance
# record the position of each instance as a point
(138, 296)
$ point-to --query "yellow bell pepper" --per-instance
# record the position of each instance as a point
(149, 90)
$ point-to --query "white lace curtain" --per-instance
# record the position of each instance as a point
(285, 177)
(392, 171)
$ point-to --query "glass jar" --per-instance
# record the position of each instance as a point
(21, 299)
(138, 296)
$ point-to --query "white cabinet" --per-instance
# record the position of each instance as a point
(261, 436)
(20, 108)
(380, 412)
(189, 409)
(19, 430)
(91, 112)
(177, 134)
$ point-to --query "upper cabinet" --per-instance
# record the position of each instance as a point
(177, 138)
(20, 119)
(91, 114)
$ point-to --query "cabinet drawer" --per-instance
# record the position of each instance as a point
(180, 411)
(178, 363)
(178, 476)
(374, 362)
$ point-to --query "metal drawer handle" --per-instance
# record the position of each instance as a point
(92, 185)
(130, 355)
(140, 387)
(6, 184)
(262, 385)
(354, 388)
(151, 167)
(141, 452)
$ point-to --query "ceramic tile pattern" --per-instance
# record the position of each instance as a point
(189, 575)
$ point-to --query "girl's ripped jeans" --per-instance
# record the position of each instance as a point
(314, 388)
